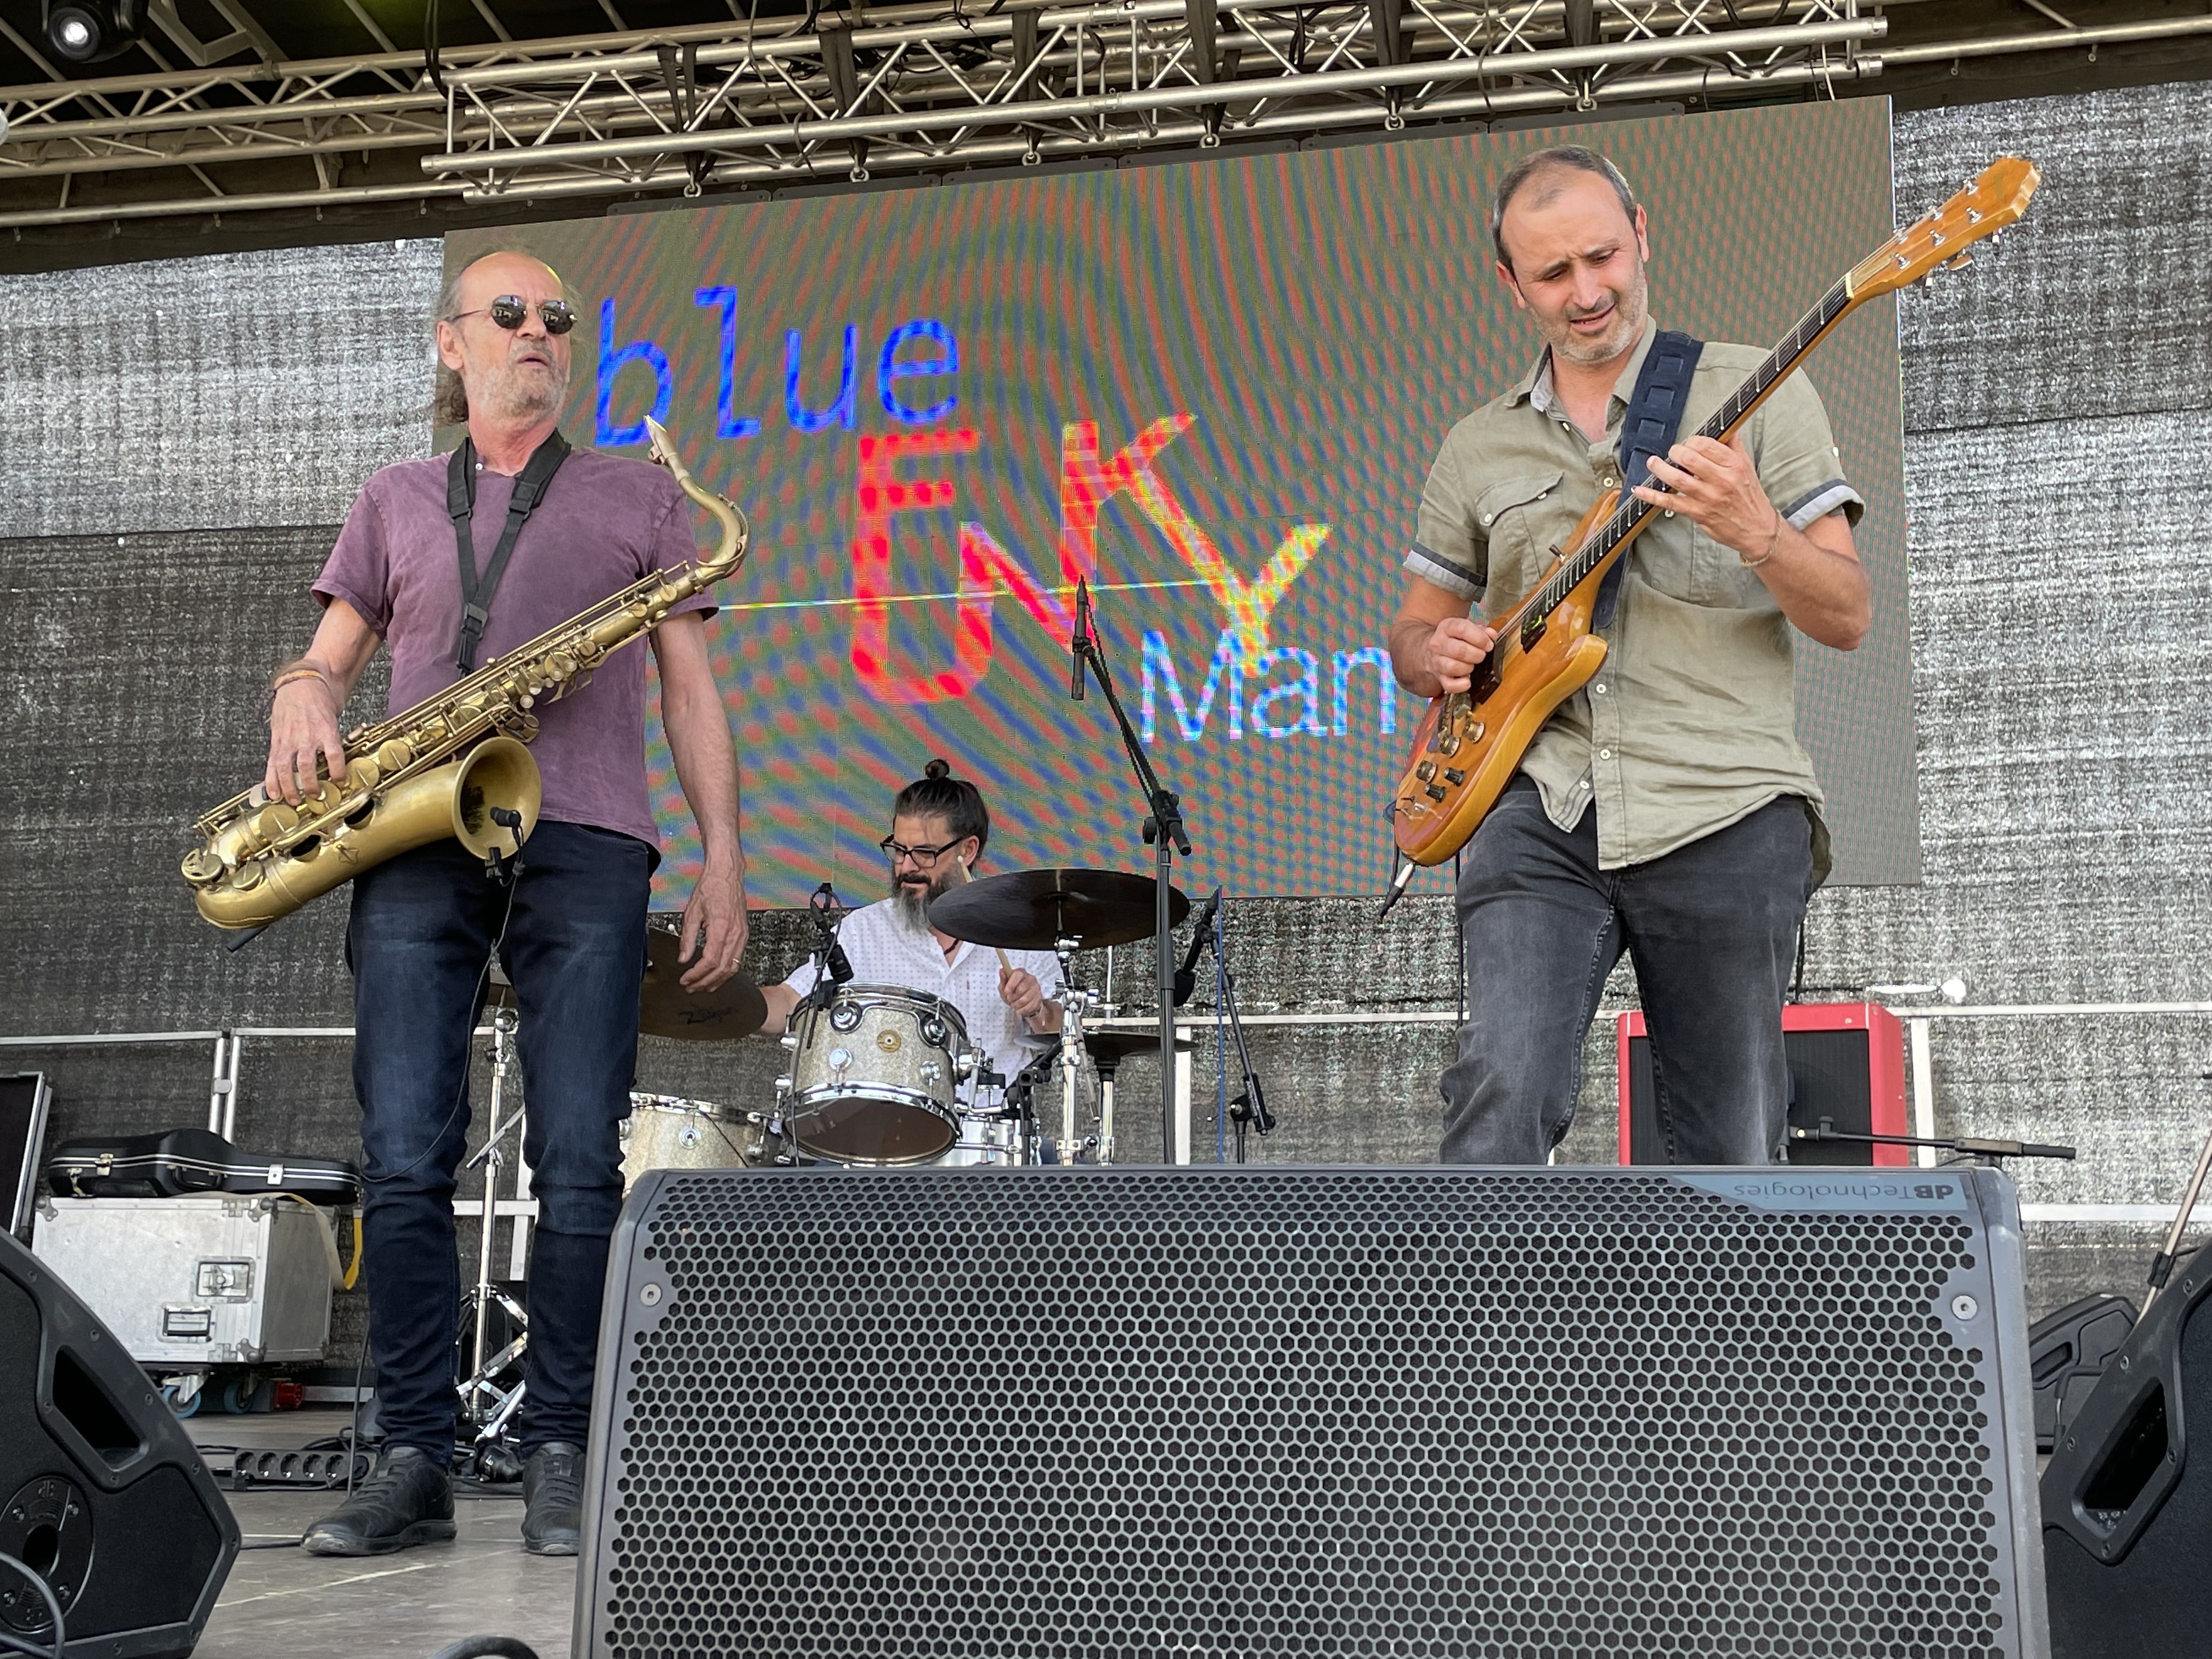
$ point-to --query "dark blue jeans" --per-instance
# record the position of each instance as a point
(423, 931)
(1712, 929)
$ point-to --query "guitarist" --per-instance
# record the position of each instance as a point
(1667, 809)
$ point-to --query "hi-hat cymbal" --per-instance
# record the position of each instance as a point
(1109, 1048)
(733, 1009)
(1034, 909)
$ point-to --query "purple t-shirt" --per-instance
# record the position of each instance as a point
(605, 521)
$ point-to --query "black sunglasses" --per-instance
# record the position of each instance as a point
(509, 309)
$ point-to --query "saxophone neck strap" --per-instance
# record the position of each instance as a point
(461, 503)
(1654, 416)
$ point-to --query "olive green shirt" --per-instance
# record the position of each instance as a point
(1690, 722)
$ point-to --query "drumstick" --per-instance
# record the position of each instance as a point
(970, 875)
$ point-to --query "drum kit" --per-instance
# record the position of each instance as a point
(882, 1076)
(878, 1076)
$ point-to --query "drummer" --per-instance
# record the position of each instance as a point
(939, 827)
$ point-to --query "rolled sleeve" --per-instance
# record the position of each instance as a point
(359, 568)
(1799, 464)
(1448, 548)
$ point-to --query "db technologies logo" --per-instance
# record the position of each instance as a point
(1807, 1191)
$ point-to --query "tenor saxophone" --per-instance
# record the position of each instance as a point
(454, 765)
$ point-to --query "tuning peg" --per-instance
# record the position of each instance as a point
(1959, 261)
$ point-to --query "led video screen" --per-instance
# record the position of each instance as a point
(1212, 389)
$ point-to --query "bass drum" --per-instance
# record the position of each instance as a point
(875, 1077)
(666, 1132)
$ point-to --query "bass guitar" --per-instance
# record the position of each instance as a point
(1470, 743)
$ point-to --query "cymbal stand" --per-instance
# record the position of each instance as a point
(482, 1379)
(1075, 1000)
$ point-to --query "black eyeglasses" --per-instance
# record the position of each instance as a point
(924, 857)
(509, 309)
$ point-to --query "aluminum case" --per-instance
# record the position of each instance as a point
(190, 1282)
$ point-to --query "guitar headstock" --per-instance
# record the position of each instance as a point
(1940, 241)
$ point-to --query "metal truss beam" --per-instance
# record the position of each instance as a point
(903, 88)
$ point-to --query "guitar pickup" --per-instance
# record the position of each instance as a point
(1427, 771)
(1454, 777)
(1435, 792)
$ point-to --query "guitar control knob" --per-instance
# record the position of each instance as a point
(1427, 771)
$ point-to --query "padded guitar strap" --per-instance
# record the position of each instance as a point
(1654, 416)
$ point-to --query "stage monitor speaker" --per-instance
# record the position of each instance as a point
(1083, 1412)
(2127, 1497)
(1846, 1066)
(2067, 1353)
(101, 1492)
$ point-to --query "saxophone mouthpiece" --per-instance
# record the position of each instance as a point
(657, 436)
(1406, 868)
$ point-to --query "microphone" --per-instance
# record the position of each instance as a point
(1186, 979)
(838, 967)
(1080, 638)
(496, 866)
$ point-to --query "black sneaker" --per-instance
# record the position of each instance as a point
(407, 1500)
(553, 1498)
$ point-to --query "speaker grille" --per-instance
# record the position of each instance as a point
(1047, 1416)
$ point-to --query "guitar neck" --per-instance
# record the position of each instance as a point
(1610, 539)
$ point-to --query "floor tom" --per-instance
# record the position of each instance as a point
(665, 1131)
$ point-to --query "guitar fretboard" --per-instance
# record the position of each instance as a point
(1631, 514)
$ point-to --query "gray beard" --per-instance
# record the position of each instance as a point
(510, 397)
(910, 906)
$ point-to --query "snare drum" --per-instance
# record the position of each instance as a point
(875, 1076)
(664, 1132)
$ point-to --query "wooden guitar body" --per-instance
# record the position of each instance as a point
(1470, 743)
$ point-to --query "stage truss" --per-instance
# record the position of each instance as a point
(888, 91)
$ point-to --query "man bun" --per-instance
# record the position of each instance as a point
(937, 793)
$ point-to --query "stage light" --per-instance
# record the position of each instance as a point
(88, 31)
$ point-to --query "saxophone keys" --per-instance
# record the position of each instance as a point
(272, 821)
(363, 774)
(201, 867)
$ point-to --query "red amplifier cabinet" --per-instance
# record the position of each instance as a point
(1846, 1065)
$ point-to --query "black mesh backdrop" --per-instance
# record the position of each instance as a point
(1567, 1413)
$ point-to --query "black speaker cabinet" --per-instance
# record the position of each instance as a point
(1076, 1412)
(101, 1492)
(2127, 1497)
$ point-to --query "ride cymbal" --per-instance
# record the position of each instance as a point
(1035, 909)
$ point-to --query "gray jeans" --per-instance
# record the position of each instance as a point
(1712, 929)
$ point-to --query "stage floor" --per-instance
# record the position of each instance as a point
(279, 1603)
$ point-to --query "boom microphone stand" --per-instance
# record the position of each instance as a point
(1164, 833)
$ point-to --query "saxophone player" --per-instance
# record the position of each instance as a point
(446, 563)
